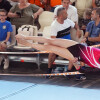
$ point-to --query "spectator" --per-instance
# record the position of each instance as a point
(72, 15)
(93, 28)
(86, 19)
(60, 28)
(81, 5)
(71, 10)
(5, 31)
(24, 13)
(95, 3)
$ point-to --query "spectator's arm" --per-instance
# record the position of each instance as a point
(78, 32)
(12, 15)
(93, 4)
(94, 39)
(8, 36)
(86, 34)
(38, 13)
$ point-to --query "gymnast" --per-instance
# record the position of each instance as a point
(68, 49)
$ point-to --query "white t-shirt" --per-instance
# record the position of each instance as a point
(71, 11)
(61, 29)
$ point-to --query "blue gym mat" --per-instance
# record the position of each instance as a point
(10, 90)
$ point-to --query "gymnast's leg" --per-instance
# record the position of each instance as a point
(58, 42)
(63, 52)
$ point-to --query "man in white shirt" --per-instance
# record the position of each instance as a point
(60, 28)
(56, 27)
(71, 10)
(81, 5)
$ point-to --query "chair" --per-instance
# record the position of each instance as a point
(73, 35)
(45, 19)
(46, 31)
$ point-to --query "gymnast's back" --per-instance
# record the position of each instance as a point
(86, 54)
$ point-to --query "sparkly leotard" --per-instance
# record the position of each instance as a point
(86, 54)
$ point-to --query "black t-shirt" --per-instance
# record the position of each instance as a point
(4, 4)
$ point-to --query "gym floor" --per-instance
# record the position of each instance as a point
(40, 88)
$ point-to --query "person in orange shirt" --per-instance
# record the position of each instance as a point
(40, 3)
(54, 3)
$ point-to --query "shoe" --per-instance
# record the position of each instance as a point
(48, 72)
(68, 76)
(80, 77)
(6, 63)
(58, 70)
(82, 69)
(1, 60)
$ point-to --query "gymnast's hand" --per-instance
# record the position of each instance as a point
(24, 42)
(83, 40)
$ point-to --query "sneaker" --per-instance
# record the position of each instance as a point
(1, 60)
(58, 70)
(48, 72)
(6, 63)
(82, 70)
(68, 76)
(80, 77)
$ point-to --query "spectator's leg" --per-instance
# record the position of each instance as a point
(6, 60)
(51, 59)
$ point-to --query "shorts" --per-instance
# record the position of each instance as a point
(86, 54)
(66, 37)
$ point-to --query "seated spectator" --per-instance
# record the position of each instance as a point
(86, 19)
(81, 5)
(24, 13)
(60, 28)
(71, 10)
(4, 4)
(73, 16)
(5, 31)
(95, 3)
(93, 28)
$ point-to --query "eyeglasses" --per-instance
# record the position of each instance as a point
(2, 15)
